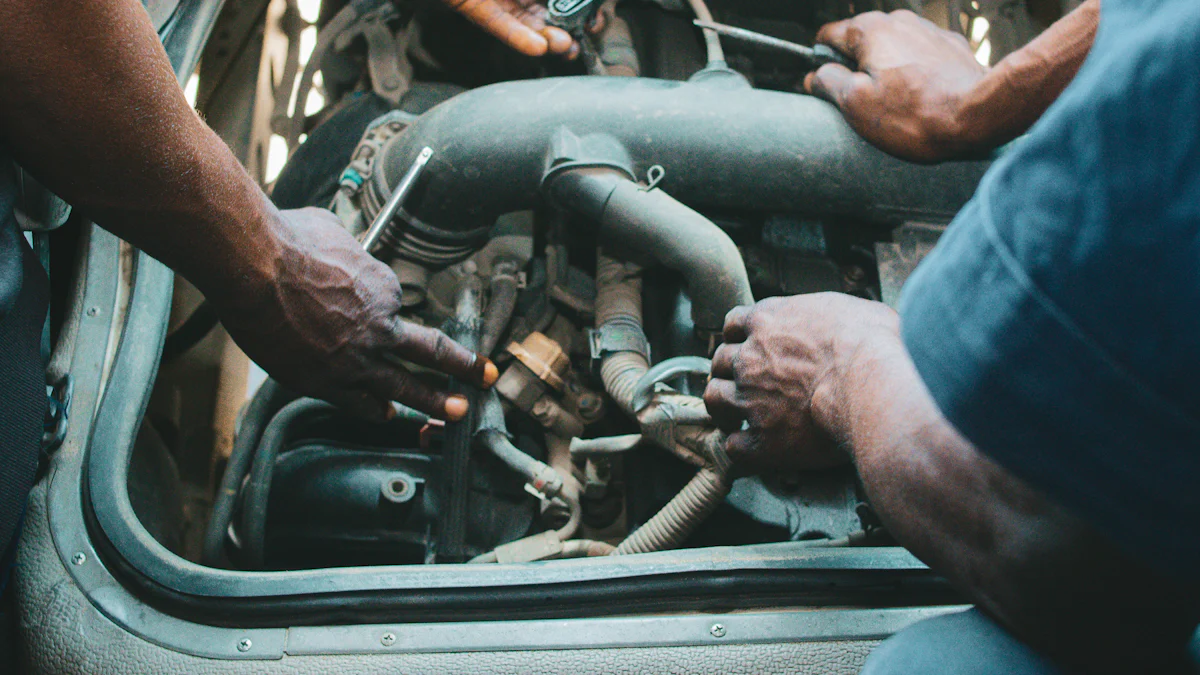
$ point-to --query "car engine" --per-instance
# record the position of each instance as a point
(587, 223)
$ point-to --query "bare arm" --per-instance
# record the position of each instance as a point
(922, 96)
(93, 109)
(813, 372)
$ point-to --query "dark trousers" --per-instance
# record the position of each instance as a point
(22, 414)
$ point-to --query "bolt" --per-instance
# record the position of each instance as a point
(388, 639)
(79, 558)
(589, 404)
(244, 645)
(93, 311)
(717, 630)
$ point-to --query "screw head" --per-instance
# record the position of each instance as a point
(717, 630)
(244, 645)
(79, 558)
(93, 311)
(388, 639)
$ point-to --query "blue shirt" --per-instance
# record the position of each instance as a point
(10, 244)
(1057, 324)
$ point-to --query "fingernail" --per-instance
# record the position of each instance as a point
(456, 408)
(490, 374)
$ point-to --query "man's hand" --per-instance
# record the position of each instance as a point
(779, 370)
(327, 323)
(921, 94)
(520, 24)
(915, 79)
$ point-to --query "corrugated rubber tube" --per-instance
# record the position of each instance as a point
(672, 525)
(619, 300)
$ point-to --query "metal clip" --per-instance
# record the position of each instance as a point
(654, 176)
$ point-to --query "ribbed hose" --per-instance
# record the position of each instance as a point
(619, 300)
(672, 525)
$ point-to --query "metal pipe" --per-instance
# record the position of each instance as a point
(604, 446)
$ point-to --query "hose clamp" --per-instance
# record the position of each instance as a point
(618, 335)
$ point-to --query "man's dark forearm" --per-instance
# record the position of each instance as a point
(1019, 89)
(1041, 571)
(93, 109)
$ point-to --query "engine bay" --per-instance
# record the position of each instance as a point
(587, 224)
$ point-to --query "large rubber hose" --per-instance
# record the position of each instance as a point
(748, 149)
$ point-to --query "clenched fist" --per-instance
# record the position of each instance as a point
(780, 372)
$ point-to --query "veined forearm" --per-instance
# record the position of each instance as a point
(94, 110)
(1015, 93)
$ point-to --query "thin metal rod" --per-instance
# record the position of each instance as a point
(759, 38)
(392, 205)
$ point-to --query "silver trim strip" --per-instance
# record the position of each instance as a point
(610, 633)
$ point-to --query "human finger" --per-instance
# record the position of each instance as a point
(737, 322)
(744, 451)
(558, 40)
(847, 36)
(837, 84)
(723, 361)
(433, 348)
(402, 386)
(499, 22)
(720, 399)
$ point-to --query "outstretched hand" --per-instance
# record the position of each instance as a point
(329, 326)
(778, 373)
(914, 79)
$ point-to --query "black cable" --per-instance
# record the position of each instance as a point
(258, 488)
(267, 401)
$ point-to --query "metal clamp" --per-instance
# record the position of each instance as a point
(618, 335)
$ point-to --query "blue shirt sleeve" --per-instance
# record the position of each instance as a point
(1057, 323)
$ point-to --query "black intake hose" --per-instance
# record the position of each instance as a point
(737, 148)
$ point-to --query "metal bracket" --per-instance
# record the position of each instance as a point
(58, 413)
